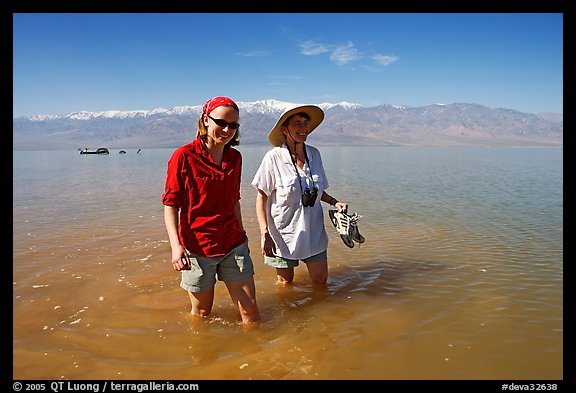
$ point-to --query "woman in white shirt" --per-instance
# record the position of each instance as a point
(289, 181)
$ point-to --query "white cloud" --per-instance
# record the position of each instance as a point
(345, 54)
(384, 59)
(311, 48)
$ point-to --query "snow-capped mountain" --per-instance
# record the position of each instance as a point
(349, 123)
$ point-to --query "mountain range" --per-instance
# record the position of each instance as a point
(344, 123)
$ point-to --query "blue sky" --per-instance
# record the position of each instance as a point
(64, 63)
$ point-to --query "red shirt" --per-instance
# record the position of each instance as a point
(206, 194)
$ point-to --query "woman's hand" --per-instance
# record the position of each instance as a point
(180, 260)
(268, 245)
(341, 206)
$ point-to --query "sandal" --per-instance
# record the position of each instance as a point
(342, 224)
(354, 232)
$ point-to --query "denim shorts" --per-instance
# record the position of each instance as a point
(284, 263)
(234, 266)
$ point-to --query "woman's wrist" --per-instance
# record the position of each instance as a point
(333, 201)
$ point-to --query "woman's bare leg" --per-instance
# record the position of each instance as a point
(318, 272)
(243, 294)
(285, 275)
(202, 302)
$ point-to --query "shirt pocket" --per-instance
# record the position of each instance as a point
(287, 202)
(288, 192)
(202, 186)
(196, 187)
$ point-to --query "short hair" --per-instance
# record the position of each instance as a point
(302, 114)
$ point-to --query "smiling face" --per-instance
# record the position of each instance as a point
(297, 128)
(221, 124)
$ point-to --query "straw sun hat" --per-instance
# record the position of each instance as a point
(276, 137)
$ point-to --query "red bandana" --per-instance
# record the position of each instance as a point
(215, 102)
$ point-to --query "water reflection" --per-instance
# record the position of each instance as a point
(461, 275)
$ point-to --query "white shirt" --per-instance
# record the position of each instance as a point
(297, 231)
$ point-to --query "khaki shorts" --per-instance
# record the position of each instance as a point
(234, 266)
(284, 263)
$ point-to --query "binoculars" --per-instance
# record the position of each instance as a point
(309, 197)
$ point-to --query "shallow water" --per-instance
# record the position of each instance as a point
(461, 275)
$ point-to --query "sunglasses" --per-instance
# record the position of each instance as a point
(223, 123)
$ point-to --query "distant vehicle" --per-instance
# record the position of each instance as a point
(100, 150)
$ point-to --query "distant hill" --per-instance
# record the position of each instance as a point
(344, 123)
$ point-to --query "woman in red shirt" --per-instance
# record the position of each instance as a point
(202, 213)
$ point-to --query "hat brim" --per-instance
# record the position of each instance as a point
(276, 137)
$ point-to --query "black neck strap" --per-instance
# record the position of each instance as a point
(296, 169)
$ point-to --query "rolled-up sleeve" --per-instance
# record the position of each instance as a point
(172, 195)
(264, 178)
